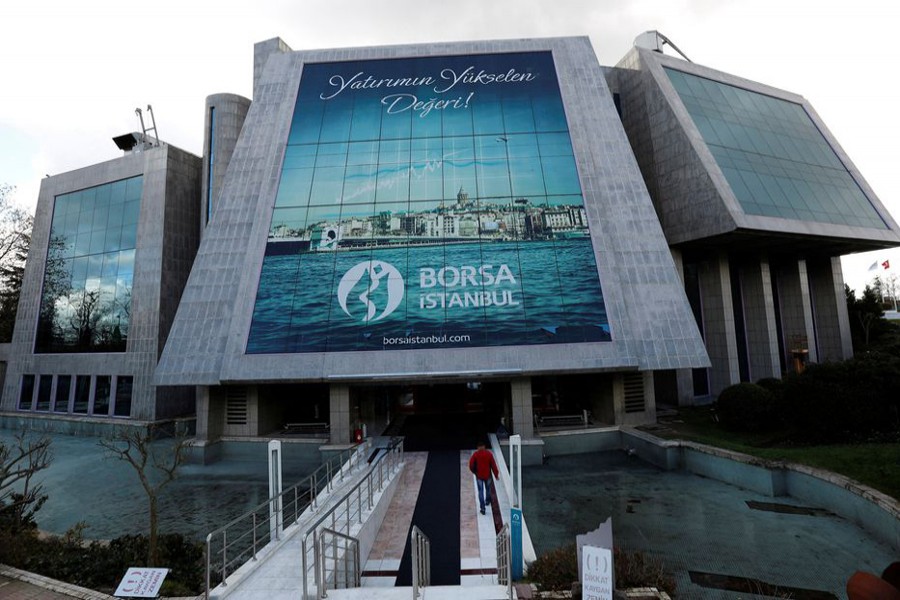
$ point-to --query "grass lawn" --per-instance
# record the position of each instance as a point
(874, 464)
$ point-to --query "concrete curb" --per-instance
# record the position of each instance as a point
(54, 585)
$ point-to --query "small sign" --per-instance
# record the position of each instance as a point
(141, 582)
(515, 540)
(596, 573)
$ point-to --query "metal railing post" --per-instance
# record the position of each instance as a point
(254, 536)
(224, 558)
(208, 561)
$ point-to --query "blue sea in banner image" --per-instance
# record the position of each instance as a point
(452, 295)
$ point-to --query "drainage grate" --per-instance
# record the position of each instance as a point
(789, 509)
(747, 585)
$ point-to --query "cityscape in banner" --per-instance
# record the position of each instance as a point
(434, 201)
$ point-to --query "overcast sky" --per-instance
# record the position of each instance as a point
(72, 72)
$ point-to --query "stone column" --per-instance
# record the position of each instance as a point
(522, 410)
(718, 323)
(684, 377)
(832, 323)
(339, 402)
(759, 319)
(795, 309)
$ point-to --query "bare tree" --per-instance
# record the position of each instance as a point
(20, 461)
(15, 237)
(891, 286)
(156, 467)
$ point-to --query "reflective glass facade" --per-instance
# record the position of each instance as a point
(775, 159)
(428, 202)
(86, 296)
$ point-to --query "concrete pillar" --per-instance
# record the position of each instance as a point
(339, 403)
(225, 115)
(718, 323)
(202, 425)
(832, 323)
(759, 319)
(795, 308)
(636, 383)
(522, 409)
(683, 377)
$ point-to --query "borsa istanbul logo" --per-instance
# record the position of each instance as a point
(466, 286)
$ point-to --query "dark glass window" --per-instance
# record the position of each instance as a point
(123, 396)
(86, 298)
(63, 389)
(211, 152)
(27, 392)
(45, 384)
(82, 394)
(101, 395)
(775, 159)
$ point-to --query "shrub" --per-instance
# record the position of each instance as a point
(746, 407)
(557, 570)
(847, 401)
(101, 566)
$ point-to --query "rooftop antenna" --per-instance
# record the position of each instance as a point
(144, 129)
(654, 40)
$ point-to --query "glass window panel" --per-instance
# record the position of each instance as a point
(487, 115)
(302, 156)
(359, 184)
(772, 154)
(101, 395)
(397, 125)
(426, 180)
(294, 187)
(327, 185)
(551, 116)
(336, 121)
(362, 153)
(527, 179)
(26, 393)
(560, 175)
(332, 155)
(366, 121)
(63, 389)
(45, 384)
(82, 394)
(458, 174)
(517, 115)
(124, 387)
(307, 125)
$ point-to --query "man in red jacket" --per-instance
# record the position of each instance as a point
(483, 465)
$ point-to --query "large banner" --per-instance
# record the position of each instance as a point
(428, 202)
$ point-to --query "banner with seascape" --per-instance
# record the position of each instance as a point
(428, 202)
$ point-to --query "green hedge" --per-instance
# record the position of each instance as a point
(747, 407)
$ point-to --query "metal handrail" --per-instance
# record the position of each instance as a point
(342, 513)
(242, 537)
(346, 554)
(421, 560)
(504, 559)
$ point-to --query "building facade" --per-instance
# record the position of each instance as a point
(505, 229)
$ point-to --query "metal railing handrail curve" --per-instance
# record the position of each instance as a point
(336, 465)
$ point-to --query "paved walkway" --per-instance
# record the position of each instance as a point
(478, 553)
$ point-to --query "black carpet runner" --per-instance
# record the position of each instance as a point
(437, 515)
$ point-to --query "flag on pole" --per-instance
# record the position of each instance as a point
(873, 266)
(886, 264)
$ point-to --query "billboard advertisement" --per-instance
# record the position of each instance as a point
(428, 202)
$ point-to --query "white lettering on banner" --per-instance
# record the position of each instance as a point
(482, 78)
(370, 83)
(465, 275)
(398, 103)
